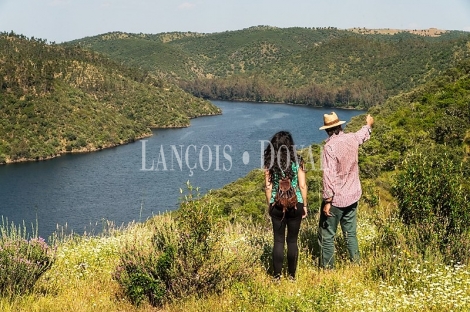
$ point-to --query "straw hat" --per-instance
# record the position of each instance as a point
(330, 121)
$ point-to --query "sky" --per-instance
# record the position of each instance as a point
(64, 20)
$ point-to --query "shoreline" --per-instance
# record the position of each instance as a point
(292, 104)
(82, 151)
(89, 150)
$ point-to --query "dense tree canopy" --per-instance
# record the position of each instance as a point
(56, 99)
(320, 66)
(436, 113)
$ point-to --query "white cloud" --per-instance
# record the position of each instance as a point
(466, 28)
(186, 6)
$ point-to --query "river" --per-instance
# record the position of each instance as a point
(81, 192)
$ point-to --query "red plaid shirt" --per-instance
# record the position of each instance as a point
(340, 167)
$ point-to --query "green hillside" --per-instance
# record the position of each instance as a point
(434, 114)
(323, 67)
(56, 99)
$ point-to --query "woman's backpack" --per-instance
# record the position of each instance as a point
(286, 196)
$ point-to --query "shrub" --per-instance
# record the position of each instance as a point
(185, 257)
(22, 261)
(432, 199)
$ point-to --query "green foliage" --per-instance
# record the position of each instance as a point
(432, 196)
(436, 113)
(22, 260)
(56, 99)
(314, 66)
(186, 258)
(242, 199)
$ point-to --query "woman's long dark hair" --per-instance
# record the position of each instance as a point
(279, 155)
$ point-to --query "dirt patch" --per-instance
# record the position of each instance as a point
(431, 32)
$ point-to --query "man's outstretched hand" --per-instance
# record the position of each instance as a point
(369, 120)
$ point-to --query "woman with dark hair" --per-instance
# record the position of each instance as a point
(281, 160)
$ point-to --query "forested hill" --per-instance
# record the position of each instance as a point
(322, 66)
(56, 99)
(432, 120)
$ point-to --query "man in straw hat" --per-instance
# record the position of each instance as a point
(341, 187)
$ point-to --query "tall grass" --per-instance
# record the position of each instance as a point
(83, 275)
(197, 260)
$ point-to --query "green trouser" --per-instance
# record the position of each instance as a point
(347, 217)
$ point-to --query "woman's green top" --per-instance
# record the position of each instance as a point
(294, 183)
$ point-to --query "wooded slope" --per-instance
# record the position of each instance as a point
(315, 66)
(56, 99)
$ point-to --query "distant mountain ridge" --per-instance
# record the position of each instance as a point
(56, 99)
(313, 66)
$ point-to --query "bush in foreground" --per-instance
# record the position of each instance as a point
(22, 260)
(188, 255)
